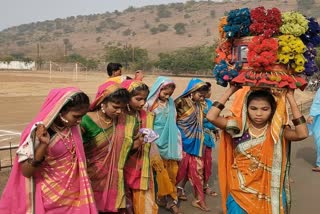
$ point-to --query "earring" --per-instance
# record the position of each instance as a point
(191, 96)
(63, 119)
(102, 109)
(128, 107)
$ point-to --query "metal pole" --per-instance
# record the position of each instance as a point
(76, 71)
(50, 67)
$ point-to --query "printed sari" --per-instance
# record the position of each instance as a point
(102, 153)
(253, 172)
(137, 194)
(61, 185)
(168, 149)
(190, 123)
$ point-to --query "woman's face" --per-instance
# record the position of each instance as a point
(137, 101)
(112, 109)
(259, 111)
(74, 115)
(165, 94)
(198, 96)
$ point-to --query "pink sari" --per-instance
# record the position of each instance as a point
(61, 185)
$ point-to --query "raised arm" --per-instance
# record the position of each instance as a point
(30, 166)
(301, 131)
(214, 113)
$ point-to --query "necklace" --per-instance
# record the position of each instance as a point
(67, 139)
(261, 131)
(102, 119)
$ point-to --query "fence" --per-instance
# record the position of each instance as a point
(10, 148)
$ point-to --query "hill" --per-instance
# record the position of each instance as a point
(160, 28)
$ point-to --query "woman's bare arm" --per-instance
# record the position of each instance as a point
(213, 114)
(301, 131)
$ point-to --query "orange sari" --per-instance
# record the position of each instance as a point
(254, 172)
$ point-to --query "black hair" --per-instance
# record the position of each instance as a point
(170, 85)
(119, 96)
(204, 88)
(264, 95)
(77, 102)
(111, 67)
(142, 87)
(208, 84)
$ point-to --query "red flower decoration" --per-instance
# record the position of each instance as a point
(265, 22)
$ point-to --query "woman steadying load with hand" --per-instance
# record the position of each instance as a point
(49, 173)
(253, 164)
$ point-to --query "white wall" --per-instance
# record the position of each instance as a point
(17, 65)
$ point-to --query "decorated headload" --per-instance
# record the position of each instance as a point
(266, 48)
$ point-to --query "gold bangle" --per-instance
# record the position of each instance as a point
(298, 121)
(218, 105)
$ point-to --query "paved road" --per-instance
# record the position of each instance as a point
(305, 183)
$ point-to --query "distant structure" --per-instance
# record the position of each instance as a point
(17, 65)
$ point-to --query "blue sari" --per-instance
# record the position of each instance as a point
(315, 126)
(169, 142)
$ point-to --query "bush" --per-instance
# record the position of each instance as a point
(163, 27)
(154, 30)
(186, 16)
(127, 32)
(180, 28)
(163, 12)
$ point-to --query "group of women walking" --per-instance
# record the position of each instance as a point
(133, 149)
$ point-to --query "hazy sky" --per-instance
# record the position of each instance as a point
(16, 12)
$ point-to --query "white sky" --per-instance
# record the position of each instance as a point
(16, 12)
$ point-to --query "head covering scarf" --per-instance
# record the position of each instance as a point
(29, 195)
(190, 119)
(104, 90)
(273, 180)
(169, 143)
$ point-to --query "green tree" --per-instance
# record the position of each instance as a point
(132, 57)
(163, 12)
(187, 60)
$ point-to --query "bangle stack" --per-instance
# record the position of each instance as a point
(299, 121)
(218, 105)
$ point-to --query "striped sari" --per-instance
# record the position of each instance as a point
(190, 123)
(102, 153)
(61, 185)
(137, 193)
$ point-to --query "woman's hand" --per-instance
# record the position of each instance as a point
(310, 120)
(138, 140)
(234, 88)
(42, 134)
(290, 92)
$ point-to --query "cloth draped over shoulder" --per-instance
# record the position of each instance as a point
(190, 119)
(169, 142)
(208, 126)
(315, 113)
(102, 153)
(134, 166)
(53, 189)
(253, 172)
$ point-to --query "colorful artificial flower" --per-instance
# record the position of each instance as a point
(265, 22)
(262, 53)
(293, 23)
(313, 33)
(238, 23)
